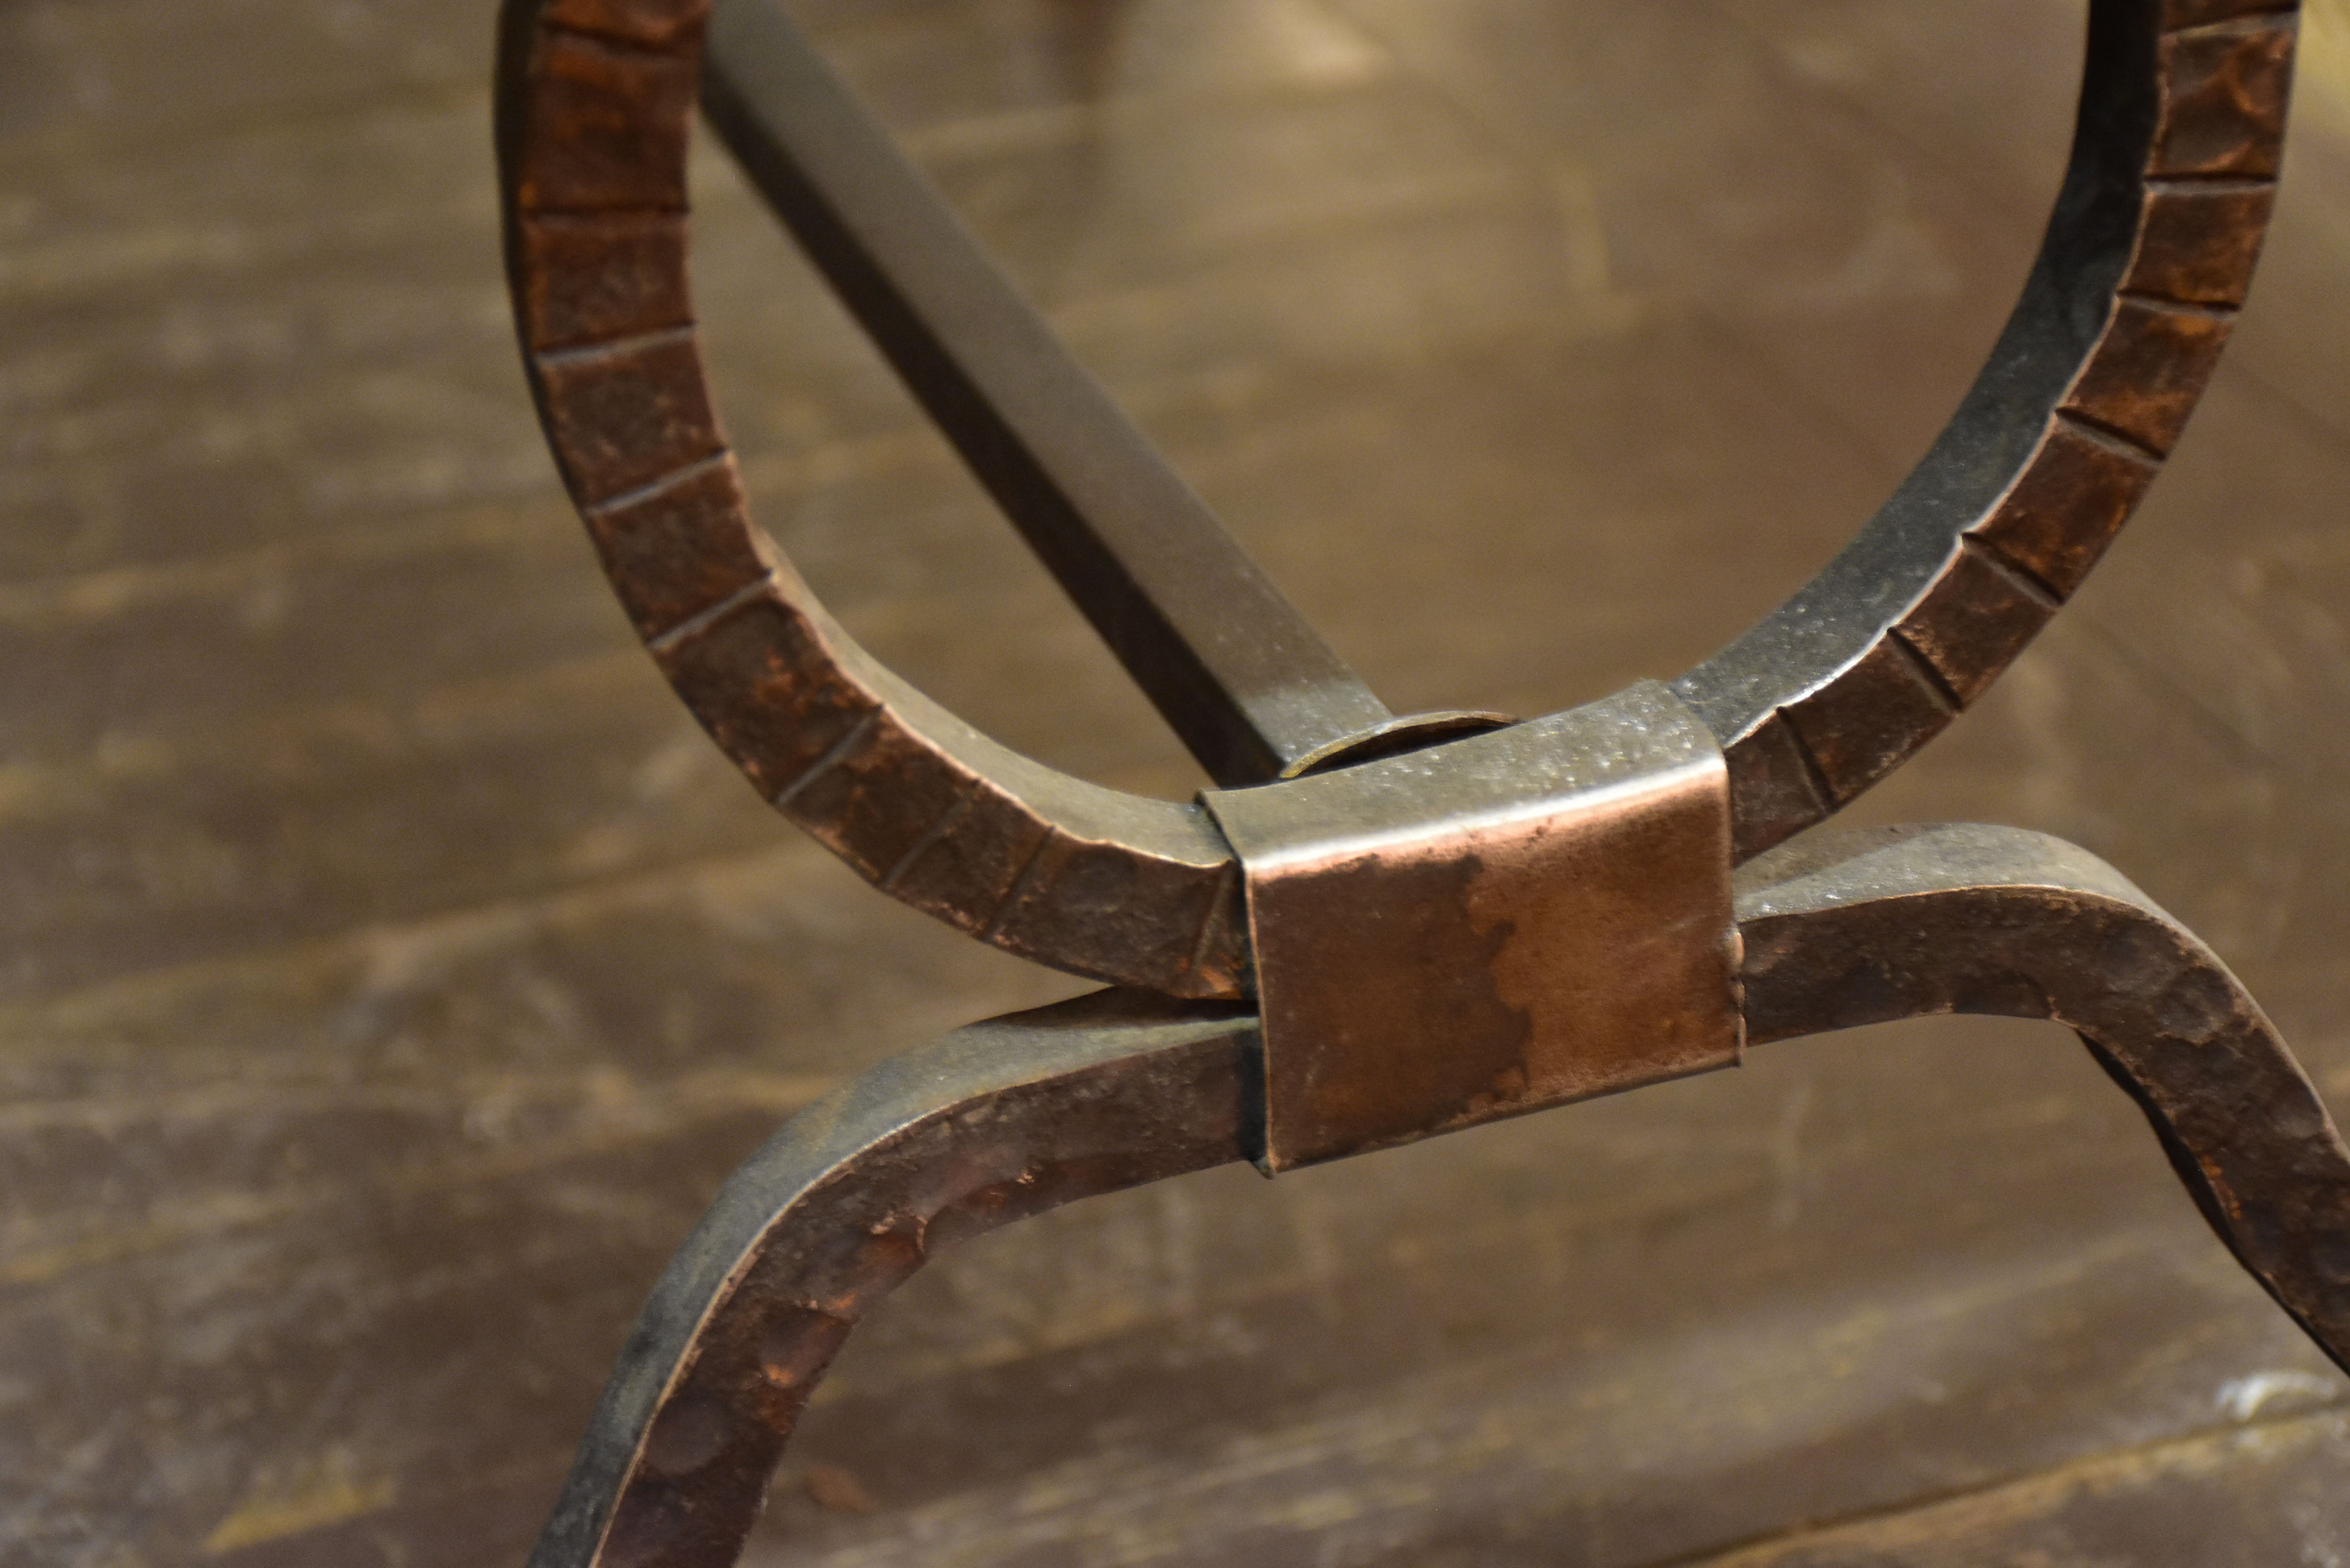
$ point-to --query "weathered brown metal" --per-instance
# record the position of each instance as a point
(595, 100)
(1005, 1119)
(1864, 927)
(1248, 685)
(2146, 262)
(1508, 922)
(1436, 938)
(2146, 258)
(994, 1123)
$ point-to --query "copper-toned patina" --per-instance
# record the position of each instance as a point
(1489, 926)
(1376, 928)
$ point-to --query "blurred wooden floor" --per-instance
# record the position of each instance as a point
(390, 971)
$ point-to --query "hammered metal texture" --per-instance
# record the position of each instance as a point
(1006, 1119)
(1508, 922)
(2144, 263)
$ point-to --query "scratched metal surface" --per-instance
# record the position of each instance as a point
(391, 971)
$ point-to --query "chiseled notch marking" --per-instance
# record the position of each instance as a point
(2021, 578)
(2204, 309)
(954, 813)
(1922, 670)
(1219, 899)
(621, 43)
(838, 753)
(2248, 21)
(2191, 184)
(701, 621)
(612, 349)
(1824, 795)
(2120, 442)
(653, 488)
(1010, 902)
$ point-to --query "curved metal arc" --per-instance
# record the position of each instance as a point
(1250, 687)
(994, 1123)
(1009, 1119)
(594, 103)
(2143, 267)
(2145, 262)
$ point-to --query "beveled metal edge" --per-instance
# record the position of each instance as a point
(1513, 921)
(1006, 1119)
(595, 104)
(2143, 269)
(994, 1123)
(2145, 263)
(1244, 681)
(1867, 926)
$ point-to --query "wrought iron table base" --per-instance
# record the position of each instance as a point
(1597, 843)
(1008, 1118)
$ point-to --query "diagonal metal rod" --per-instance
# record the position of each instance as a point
(1246, 683)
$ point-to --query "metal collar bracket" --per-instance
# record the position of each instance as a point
(1486, 927)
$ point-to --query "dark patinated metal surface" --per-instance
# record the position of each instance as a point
(596, 100)
(1433, 942)
(1249, 685)
(1486, 928)
(994, 1123)
(1863, 926)
(1008, 1118)
(2144, 263)
(395, 972)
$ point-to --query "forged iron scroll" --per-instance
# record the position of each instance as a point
(2147, 259)
(1510, 921)
(1009, 1119)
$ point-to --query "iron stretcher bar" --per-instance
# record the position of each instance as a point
(1247, 684)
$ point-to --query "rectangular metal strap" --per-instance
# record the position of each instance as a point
(1486, 927)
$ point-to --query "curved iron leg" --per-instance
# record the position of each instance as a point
(992, 1123)
(1862, 927)
(1008, 1118)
